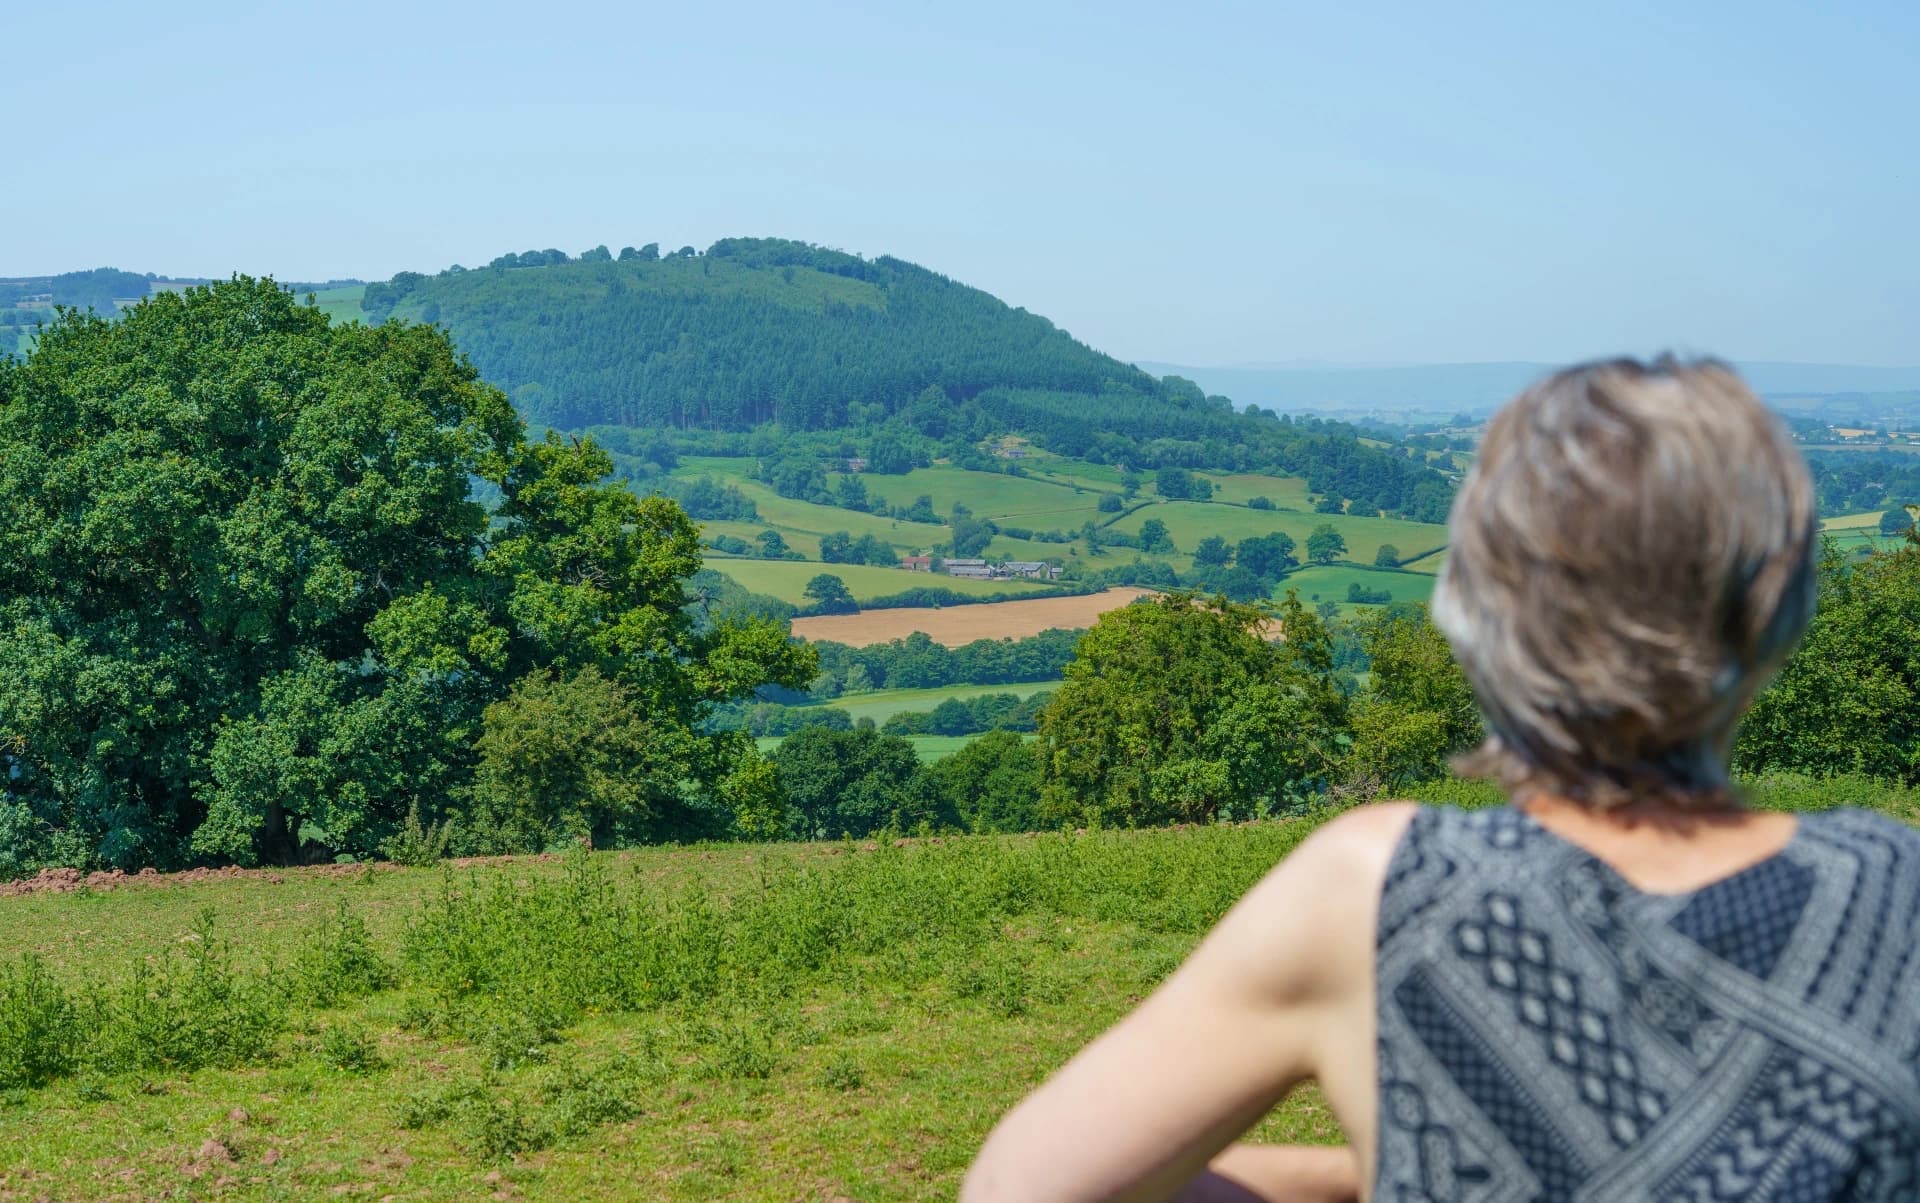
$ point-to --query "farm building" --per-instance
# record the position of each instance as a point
(978, 570)
(1036, 569)
(917, 563)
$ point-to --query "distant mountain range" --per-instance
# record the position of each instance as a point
(1477, 387)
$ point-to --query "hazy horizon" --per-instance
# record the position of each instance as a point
(1223, 185)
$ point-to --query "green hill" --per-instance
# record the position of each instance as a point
(755, 332)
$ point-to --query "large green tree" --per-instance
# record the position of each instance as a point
(1848, 701)
(840, 783)
(1183, 709)
(1418, 709)
(251, 606)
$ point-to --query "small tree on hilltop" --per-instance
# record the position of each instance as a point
(1325, 544)
(1387, 557)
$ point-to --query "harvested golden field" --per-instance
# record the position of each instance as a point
(954, 626)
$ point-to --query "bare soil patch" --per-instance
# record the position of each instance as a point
(957, 625)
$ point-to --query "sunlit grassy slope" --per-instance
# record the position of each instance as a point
(840, 1023)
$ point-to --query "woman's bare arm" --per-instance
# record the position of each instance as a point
(1137, 1116)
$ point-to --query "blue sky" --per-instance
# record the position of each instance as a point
(1196, 183)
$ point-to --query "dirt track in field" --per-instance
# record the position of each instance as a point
(957, 625)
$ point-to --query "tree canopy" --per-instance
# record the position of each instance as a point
(251, 608)
(1178, 709)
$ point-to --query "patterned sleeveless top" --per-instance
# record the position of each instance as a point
(1548, 1032)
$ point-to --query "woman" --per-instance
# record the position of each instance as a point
(1623, 986)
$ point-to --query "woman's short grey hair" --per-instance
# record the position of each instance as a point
(1631, 559)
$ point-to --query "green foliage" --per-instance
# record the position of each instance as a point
(39, 1026)
(987, 712)
(1898, 520)
(1266, 556)
(830, 595)
(350, 1050)
(1154, 539)
(250, 608)
(1175, 709)
(1326, 544)
(917, 662)
(1178, 484)
(1848, 701)
(1418, 710)
(336, 964)
(1212, 552)
(849, 783)
(183, 1011)
(1387, 556)
(573, 758)
(419, 843)
(992, 784)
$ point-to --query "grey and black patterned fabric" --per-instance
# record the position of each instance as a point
(1548, 1032)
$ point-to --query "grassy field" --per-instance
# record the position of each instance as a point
(341, 304)
(739, 1023)
(787, 579)
(1188, 522)
(1870, 520)
(1028, 501)
(883, 704)
(1329, 583)
(1289, 492)
(774, 1022)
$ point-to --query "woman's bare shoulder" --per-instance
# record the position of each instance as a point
(1359, 841)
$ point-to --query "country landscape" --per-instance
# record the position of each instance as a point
(913, 625)
(682, 603)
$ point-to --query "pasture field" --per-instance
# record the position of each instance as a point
(1286, 492)
(803, 518)
(1870, 519)
(341, 304)
(1429, 563)
(787, 580)
(954, 626)
(1027, 501)
(1318, 583)
(1188, 522)
(738, 1023)
(882, 704)
(1058, 468)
